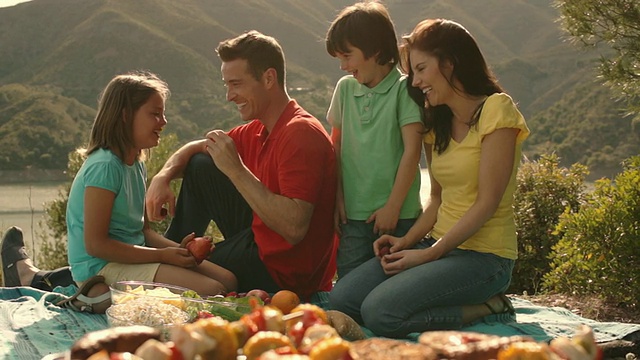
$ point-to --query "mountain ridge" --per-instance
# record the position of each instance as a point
(77, 46)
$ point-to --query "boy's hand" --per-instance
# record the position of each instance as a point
(385, 221)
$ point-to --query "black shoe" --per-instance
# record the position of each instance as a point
(12, 251)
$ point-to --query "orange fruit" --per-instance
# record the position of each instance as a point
(285, 300)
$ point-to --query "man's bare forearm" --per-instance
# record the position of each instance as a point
(288, 217)
(177, 163)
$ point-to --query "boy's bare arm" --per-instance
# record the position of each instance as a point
(387, 217)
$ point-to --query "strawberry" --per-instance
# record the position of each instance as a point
(199, 248)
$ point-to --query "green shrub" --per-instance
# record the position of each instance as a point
(599, 252)
(543, 192)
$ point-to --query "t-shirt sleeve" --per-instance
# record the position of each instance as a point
(499, 112)
(303, 163)
(408, 111)
(334, 114)
(104, 175)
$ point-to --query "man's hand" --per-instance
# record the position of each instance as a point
(223, 151)
(158, 195)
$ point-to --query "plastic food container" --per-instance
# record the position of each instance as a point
(158, 315)
(124, 291)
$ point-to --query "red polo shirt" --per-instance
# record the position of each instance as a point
(295, 160)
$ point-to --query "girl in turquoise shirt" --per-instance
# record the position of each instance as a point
(108, 232)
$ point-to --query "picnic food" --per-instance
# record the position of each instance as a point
(285, 300)
(379, 349)
(200, 248)
(466, 345)
(118, 339)
(581, 346)
(145, 311)
(266, 334)
(345, 325)
(472, 346)
(261, 294)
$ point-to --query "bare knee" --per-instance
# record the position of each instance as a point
(229, 281)
(211, 288)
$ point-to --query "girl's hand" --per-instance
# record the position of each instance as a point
(177, 256)
(385, 220)
(187, 239)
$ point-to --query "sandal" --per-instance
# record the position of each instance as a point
(81, 302)
(12, 251)
(507, 306)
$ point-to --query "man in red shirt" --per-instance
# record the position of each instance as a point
(269, 184)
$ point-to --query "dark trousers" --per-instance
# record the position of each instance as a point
(208, 195)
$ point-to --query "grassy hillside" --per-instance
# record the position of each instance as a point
(76, 46)
(40, 126)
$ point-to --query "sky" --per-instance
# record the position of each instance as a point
(5, 3)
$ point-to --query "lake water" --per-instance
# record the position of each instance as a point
(22, 205)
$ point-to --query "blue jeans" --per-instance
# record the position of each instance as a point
(426, 297)
(208, 195)
(356, 243)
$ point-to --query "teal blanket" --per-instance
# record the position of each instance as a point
(31, 327)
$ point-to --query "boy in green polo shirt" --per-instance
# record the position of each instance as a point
(376, 131)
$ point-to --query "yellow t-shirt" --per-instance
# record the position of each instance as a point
(456, 170)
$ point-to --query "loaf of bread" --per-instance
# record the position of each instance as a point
(384, 349)
(116, 339)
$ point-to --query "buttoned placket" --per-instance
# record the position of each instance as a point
(366, 108)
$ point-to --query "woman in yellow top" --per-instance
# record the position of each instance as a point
(453, 266)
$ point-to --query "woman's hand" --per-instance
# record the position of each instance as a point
(397, 262)
(177, 256)
(388, 244)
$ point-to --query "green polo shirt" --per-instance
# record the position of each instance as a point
(370, 120)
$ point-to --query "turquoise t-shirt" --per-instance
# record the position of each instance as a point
(103, 169)
(371, 121)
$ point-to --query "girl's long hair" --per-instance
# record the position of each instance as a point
(118, 103)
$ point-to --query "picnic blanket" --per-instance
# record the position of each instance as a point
(31, 327)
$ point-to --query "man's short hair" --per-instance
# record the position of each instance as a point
(368, 27)
(261, 52)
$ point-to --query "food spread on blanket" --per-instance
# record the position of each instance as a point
(159, 293)
(159, 305)
(265, 333)
(145, 311)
